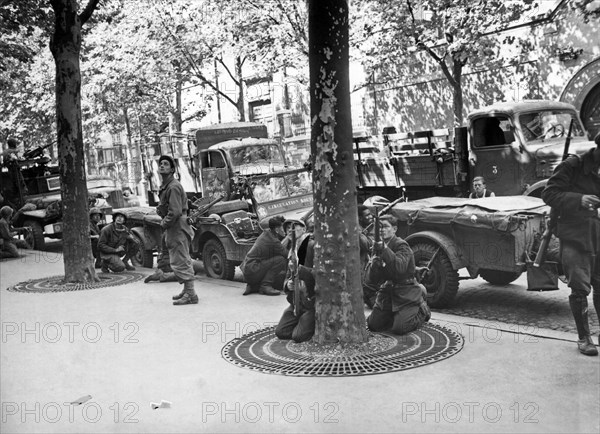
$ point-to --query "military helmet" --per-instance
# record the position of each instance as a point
(96, 211)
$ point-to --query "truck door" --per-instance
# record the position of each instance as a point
(495, 154)
(214, 173)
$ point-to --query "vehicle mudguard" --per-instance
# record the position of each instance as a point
(149, 241)
(536, 189)
(449, 247)
(234, 250)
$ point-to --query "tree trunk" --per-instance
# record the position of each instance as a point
(240, 102)
(457, 94)
(65, 45)
(339, 305)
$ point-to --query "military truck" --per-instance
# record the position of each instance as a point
(34, 181)
(245, 173)
(514, 145)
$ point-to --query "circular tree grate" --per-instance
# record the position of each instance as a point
(262, 351)
(56, 284)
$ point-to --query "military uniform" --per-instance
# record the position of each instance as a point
(400, 305)
(265, 264)
(111, 238)
(578, 229)
(300, 327)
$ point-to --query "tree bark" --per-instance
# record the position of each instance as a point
(339, 305)
(65, 45)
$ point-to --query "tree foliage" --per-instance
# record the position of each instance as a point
(448, 34)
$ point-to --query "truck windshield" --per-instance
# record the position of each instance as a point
(281, 187)
(548, 124)
(256, 154)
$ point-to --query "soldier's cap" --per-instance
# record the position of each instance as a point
(276, 222)
(96, 211)
(115, 214)
(597, 139)
(294, 222)
(169, 159)
(6, 211)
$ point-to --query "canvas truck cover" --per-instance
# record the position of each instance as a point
(208, 136)
(502, 213)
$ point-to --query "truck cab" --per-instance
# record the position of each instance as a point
(515, 146)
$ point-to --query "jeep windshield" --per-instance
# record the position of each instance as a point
(548, 124)
(281, 187)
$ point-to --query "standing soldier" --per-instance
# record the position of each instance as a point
(573, 192)
(178, 233)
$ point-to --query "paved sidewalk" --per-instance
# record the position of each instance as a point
(127, 346)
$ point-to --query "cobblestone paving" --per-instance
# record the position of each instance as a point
(514, 304)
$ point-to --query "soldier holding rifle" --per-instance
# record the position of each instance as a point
(298, 320)
(573, 192)
(400, 305)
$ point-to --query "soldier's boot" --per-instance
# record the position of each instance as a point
(154, 277)
(189, 294)
(128, 266)
(596, 300)
(579, 308)
(104, 267)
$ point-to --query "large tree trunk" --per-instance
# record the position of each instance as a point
(339, 305)
(65, 45)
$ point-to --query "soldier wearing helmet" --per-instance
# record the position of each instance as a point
(116, 245)
(9, 245)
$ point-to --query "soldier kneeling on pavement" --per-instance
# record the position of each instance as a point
(9, 245)
(116, 245)
(298, 322)
(400, 306)
(265, 264)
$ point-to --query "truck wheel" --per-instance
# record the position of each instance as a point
(144, 257)
(497, 277)
(215, 261)
(442, 280)
(36, 237)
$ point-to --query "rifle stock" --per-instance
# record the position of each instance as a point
(552, 220)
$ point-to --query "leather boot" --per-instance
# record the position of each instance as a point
(154, 277)
(268, 290)
(189, 294)
(249, 289)
(128, 266)
(579, 308)
(596, 300)
(104, 267)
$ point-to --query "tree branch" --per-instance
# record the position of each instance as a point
(88, 11)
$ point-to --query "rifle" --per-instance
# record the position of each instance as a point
(294, 269)
(377, 234)
(427, 268)
(552, 220)
(379, 214)
(202, 209)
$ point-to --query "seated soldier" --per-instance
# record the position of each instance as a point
(265, 264)
(95, 217)
(400, 305)
(298, 323)
(9, 245)
(116, 242)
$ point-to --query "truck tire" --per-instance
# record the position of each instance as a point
(144, 256)
(36, 238)
(442, 280)
(215, 261)
(497, 277)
